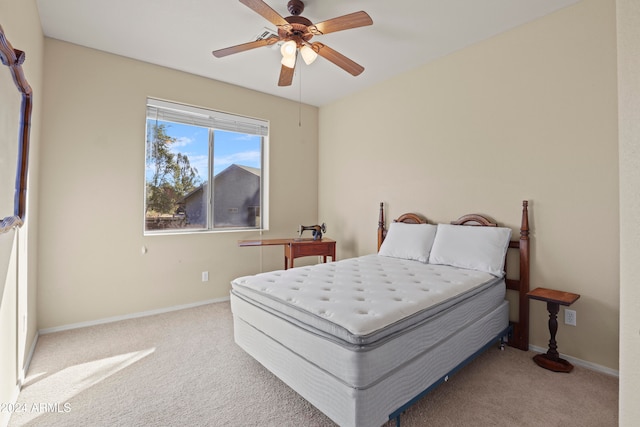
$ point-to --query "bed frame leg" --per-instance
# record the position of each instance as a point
(504, 339)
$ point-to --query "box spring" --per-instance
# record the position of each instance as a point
(364, 407)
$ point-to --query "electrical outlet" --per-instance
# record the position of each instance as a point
(205, 276)
(569, 317)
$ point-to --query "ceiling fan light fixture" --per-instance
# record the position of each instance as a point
(288, 49)
(308, 54)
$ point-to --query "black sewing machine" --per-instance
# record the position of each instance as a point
(316, 230)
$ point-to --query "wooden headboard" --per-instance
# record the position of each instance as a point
(520, 333)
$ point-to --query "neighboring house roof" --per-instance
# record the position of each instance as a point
(255, 171)
(194, 191)
(252, 170)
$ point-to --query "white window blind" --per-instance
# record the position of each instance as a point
(187, 114)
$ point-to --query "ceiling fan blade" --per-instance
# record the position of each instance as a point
(337, 58)
(286, 76)
(345, 22)
(266, 11)
(244, 46)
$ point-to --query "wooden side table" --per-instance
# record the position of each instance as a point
(301, 248)
(551, 359)
(297, 248)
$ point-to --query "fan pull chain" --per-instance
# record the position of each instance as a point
(300, 97)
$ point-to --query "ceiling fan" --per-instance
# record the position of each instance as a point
(296, 31)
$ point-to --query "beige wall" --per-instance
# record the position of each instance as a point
(540, 99)
(529, 114)
(628, 12)
(91, 263)
(18, 248)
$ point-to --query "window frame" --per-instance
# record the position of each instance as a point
(213, 120)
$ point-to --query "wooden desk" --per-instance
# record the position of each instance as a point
(551, 359)
(297, 248)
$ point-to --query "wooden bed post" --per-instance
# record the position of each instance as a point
(381, 228)
(522, 337)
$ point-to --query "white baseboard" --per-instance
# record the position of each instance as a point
(5, 416)
(128, 316)
(580, 362)
(27, 362)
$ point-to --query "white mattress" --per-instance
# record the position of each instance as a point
(412, 304)
(362, 300)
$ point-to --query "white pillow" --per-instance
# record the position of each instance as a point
(472, 247)
(408, 241)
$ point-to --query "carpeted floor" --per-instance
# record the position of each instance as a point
(183, 369)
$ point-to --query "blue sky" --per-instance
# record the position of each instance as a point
(229, 147)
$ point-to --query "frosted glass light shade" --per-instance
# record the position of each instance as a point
(288, 48)
(308, 54)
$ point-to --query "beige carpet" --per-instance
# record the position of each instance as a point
(183, 369)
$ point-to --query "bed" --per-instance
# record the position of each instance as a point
(364, 338)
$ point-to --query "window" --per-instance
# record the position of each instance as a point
(205, 170)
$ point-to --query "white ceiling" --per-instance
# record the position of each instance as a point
(181, 34)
